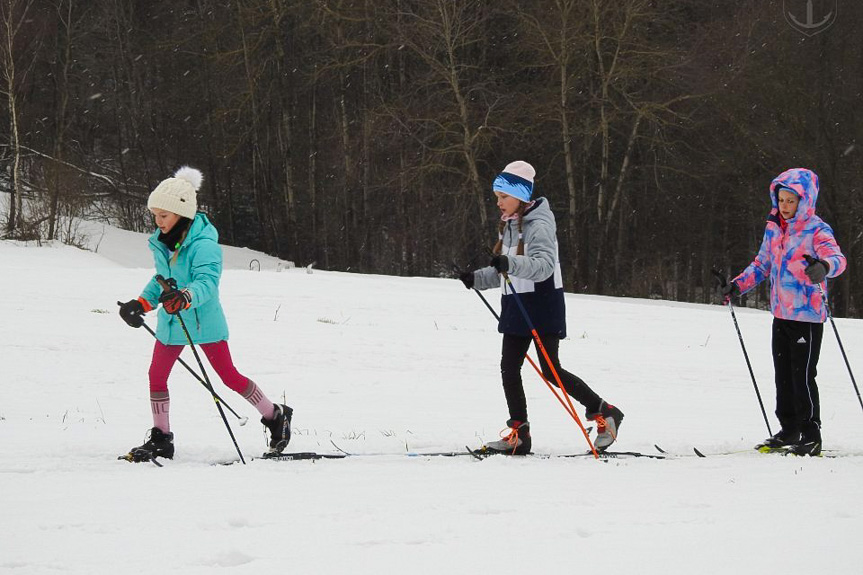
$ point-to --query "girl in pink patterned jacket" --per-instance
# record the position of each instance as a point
(797, 254)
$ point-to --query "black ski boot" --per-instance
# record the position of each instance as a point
(783, 439)
(516, 442)
(158, 444)
(809, 444)
(812, 447)
(280, 428)
(608, 420)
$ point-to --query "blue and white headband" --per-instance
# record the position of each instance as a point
(516, 180)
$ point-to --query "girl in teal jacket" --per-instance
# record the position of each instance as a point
(186, 249)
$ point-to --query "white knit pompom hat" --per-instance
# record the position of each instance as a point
(178, 194)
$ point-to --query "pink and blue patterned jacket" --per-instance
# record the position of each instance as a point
(792, 295)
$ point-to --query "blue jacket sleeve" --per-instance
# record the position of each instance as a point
(151, 292)
(828, 250)
(758, 270)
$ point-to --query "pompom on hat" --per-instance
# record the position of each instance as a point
(178, 194)
(516, 180)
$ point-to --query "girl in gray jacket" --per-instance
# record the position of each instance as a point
(527, 251)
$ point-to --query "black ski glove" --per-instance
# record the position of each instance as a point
(500, 263)
(817, 269)
(729, 291)
(467, 279)
(174, 301)
(132, 313)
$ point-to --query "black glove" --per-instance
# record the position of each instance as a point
(132, 313)
(817, 269)
(500, 263)
(729, 291)
(467, 279)
(174, 301)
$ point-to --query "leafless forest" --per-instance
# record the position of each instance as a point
(363, 135)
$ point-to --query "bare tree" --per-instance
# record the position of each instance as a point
(627, 89)
(363, 134)
(67, 22)
(561, 35)
(444, 36)
(13, 51)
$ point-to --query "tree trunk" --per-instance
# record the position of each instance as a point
(620, 196)
(468, 134)
(365, 224)
(348, 213)
(284, 133)
(257, 162)
(566, 135)
(10, 29)
(62, 90)
(313, 154)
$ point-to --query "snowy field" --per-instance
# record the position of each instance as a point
(383, 365)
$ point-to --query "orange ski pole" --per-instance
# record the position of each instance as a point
(541, 347)
(551, 388)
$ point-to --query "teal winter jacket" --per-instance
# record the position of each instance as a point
(197, 268)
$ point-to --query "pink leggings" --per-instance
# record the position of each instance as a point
(165, 356)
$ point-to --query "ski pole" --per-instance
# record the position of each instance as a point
(529, 359)
(243, 420)
(541, 347)
(171, 284)
(723, 282)
(810, 260)
(527, 355)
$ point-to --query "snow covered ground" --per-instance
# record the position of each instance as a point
(383, 365)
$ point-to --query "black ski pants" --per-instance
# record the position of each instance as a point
(796, 348)
(512, 358)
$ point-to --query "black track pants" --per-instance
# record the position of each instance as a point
(796, 347)
(512, 357)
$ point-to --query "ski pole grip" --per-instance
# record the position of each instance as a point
(809, 261)
(167, 284)
(719, 277)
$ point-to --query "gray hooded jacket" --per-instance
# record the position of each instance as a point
(536, 275)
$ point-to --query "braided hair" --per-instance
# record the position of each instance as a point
(498, 247)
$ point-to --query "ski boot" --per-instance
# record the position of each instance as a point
(608, 420)
(809, 444)
(158, 444)
(811, 447)
(280, 428)
(516, 442)
(779, 442)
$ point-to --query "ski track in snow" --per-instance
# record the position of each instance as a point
(386, 365)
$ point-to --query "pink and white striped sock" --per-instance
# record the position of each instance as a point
(256, 397)
(160, 404)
